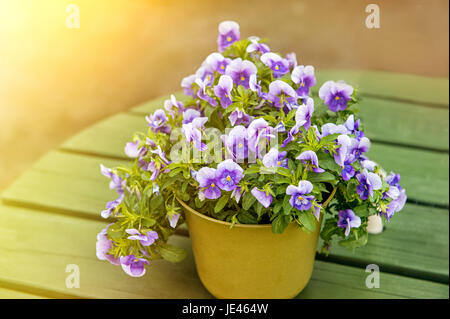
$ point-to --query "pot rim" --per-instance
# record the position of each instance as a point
(254, 226)
(193, 211)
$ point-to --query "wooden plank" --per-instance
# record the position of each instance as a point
(66, 183)
(333, 281)
(402, 123)
(88, 193)
(414, 243)
(108, 137)
(14, 294)
(408, 87)
(384, 120)
(149, 106)
(424, 174)
(36, 248)
(42, 244)
(396, 86)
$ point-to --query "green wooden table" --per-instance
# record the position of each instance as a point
(50, 216)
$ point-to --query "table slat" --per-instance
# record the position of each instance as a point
(14, 294)
(384, 120)
(89, 194)
(424, 173)
(415, 88)
(42, 244)
(414, 243)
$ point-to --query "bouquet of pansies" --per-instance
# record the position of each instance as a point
(249, 144)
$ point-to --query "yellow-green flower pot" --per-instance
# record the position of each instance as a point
(249, 261)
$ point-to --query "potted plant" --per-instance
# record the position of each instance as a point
(257, 165)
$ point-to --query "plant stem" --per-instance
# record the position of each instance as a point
(324, 205)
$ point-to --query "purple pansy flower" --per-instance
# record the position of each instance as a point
(217, 62)
(133, 266)
(336, 95)
(193, 132)
(228, 34)
(161, 154)
(189, 115)
(173, 219)
(348, 219)
(236, 194)
(302, 119)
(281, 128)
(305, 78)
(103, 246)
(349, 151)
(206, 177)
(310, 160)
(261, 196)
(396, 204)
(150, 142)
(155, 189)
(360, 146)
(223, 90)
(240, 71)
(146, 239)
(228, 175)
(292, 59)
(116, 182)
(110, 206)
(368, 164)
(343, 154)
(173, 106)
(274, 158)
(353, 127)
(255, 86)
(132, 150)
(255, 46)
(258, 131)
(205, 73)
(331, 128)
(157, 121)
(202, 94)
(186, 84)
(236, 143)
(281, 94)
(303, 115)
(316, 212)
(276, 63)
(393, 179)
(299, 198)
(238, 117)
(368, 182)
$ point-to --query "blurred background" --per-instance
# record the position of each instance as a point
(55, 80)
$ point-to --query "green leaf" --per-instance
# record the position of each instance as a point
(284, 171)
(287, 207)
(361, 211)
(326, 161)
(277, 207)
(221, 203)
(246, 218)
(321, 177)
(353, 242)
(328, 139)
(172, 253)
(252, 169)
(248, 201)
(280, 223)
(148, 222)
(307, 220)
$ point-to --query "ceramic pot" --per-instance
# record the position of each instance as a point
(249, 261)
